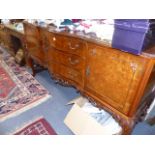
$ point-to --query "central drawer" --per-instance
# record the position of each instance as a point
(68, 44)
(69, 60)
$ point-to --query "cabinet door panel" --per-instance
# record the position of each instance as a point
(114, 76)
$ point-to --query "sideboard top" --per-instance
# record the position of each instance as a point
(149, 53)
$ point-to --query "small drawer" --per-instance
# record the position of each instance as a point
(74, 45)
(73, 75)
(68, 44)
(69, 60)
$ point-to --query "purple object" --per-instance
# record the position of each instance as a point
(129, 35)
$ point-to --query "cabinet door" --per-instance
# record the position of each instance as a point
(113, 76)
(32, 37)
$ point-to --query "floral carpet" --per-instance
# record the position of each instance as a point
(38, 127)
(19, 90)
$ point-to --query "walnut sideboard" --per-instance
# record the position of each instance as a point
(121, 83)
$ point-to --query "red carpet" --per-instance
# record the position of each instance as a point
(39, 127)
(6, 84)
(19, 90)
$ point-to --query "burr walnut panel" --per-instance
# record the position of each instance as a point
(114, 76)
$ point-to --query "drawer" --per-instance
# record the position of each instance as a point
(69, 60)
(66, 72)
(68, 44)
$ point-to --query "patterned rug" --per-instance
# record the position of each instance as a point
(19, 90)
(38, 127)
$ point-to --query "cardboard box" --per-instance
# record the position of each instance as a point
(81, 123)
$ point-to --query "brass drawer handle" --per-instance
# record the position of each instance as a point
(87, 71)
(75, 46)
(54, 39)
(73, 62)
